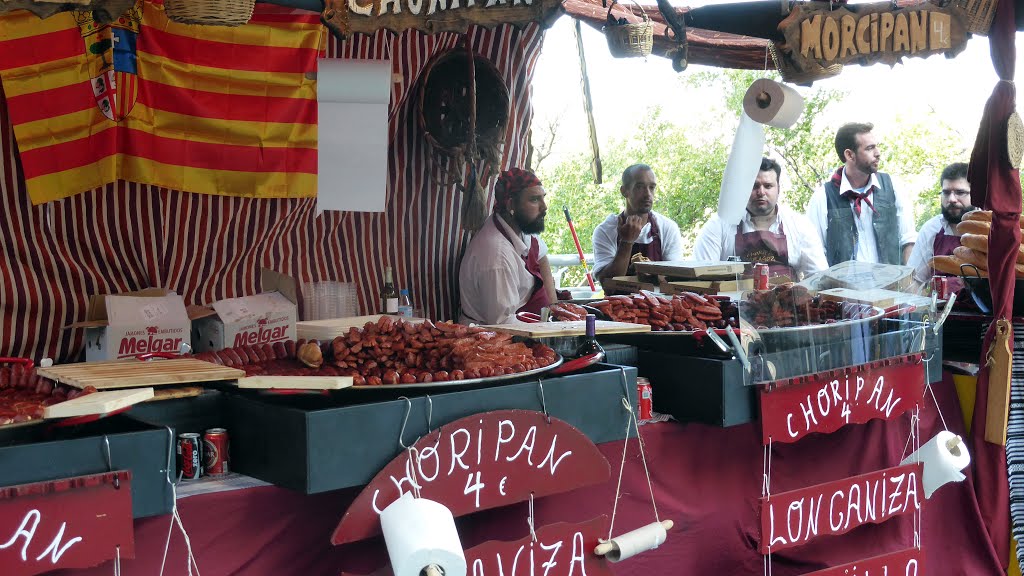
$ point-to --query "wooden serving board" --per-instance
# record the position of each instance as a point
(98, 403)
(691, 269)
(296, 382)
(577, 328)
(333, 327)
(136, 373)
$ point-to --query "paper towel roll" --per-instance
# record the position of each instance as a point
(632, 543)
(774, 104)
(944, 456)
(741, 170)
(353, 81)
(420, 532)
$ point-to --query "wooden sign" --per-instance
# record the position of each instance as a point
(480, 462)
(345, 17)
(909, 562)
(793, 518)
(72, 523)
(826, 402)
(817, 38)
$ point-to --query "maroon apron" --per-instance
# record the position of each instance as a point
(539, 296)
(765, 247)
(944, 245)
(651, 250)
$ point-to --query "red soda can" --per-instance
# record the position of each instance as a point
(761, 276)
(215, 451)
(190, 456)
(645, 400)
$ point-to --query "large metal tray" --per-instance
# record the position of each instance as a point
(469, 381)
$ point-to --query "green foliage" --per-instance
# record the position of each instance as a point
(689, 161)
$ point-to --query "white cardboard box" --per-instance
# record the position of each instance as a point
(133, 323)
(263, 318)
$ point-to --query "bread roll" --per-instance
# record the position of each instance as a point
(971, 257)
(978, 216)
(947, 265)
(975, 242)
(974, 227)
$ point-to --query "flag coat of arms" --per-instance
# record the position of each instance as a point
(205, 109)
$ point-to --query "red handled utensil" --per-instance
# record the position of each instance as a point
(579, 249)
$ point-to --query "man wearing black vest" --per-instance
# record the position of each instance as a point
(857, 212)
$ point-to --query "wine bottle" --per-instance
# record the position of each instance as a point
(590, 345)
(388, 296)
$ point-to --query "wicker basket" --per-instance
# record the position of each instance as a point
(977, 14)
(210, 12)
(630, 40)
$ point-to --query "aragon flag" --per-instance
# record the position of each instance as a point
(205, 109)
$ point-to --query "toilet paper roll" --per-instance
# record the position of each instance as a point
(741, 170)
(944, 456)
(632, 543)
(774, 104)
(420, 532)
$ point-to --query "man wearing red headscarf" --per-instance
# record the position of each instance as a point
(505, 268)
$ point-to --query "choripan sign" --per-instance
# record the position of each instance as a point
(345, 17)
(870, 33)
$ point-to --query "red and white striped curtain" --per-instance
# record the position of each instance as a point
(126, 236)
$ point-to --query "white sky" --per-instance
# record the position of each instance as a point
(623, 89)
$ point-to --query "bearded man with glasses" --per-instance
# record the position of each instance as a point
(938, 236)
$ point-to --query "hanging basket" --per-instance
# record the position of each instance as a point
(977, 14)
(210, 12)
(629, 39)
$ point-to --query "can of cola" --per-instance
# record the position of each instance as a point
(190, 456)
(761, 276)
(644, 400)
(215, 451)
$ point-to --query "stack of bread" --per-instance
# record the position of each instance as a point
(972, 254)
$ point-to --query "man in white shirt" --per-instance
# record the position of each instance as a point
(637, 230)
(938, 236)
(857, 212)
(505, 269)
(768, 233)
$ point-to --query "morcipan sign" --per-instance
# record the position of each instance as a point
(818, 41)
(345, 17)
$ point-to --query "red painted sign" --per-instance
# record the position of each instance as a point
(826, 402)
(561, 549)
(71, 523)
(480, 462)
(908, 562)
(799, 516)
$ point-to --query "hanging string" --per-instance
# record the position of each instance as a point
(918, 513)
(533, 533)
(414, 457)
(622, 466)
(117, 560)
(176, 519)
(766, 492)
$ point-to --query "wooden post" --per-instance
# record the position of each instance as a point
(588, 106)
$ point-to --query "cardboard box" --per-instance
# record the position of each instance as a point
(132, 323)
(708, 286)
(259, 319)
(627, 284)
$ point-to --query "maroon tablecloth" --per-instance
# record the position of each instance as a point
(706, 479)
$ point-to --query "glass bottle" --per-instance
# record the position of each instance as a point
(388, 296)
(590, 345)
(404, 303)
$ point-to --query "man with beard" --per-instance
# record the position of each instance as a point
(637, 232)
(938, 236)
(768, 233)
(505, 269)
(858, 214)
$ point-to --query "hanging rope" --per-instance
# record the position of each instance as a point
(622, 466)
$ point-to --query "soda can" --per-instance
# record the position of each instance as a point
(645, 400)
(215, 451)
(761, 276)
(190, 456)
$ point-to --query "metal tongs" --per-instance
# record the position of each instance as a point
(737, 347)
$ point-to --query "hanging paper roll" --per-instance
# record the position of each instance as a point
(769, 102)
(632, 543)
(944, 456)
(741, 169)
(420, 536)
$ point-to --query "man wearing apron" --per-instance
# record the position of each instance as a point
(938, 236)
(505, 269)
(638, 231)
(768, 233)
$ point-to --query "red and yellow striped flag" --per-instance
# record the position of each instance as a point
(205, 109)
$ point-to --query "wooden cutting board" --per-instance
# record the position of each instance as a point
(174, 393)
(136, 373)
(98, 403)
(577, 328)
(874, 296)
(691, 269)
(331, 328)
(296, 382)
